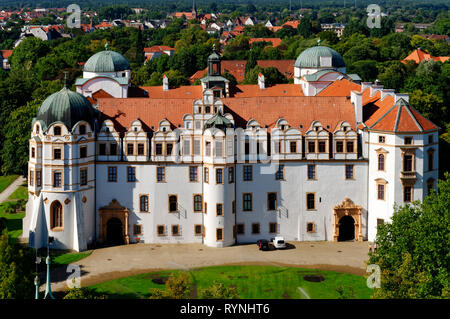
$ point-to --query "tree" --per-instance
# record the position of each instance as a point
(430, 106)
(176, 78)
(83, 293)
(177, 287)
(305, 28)
(412, 250)
(392, 75)
(16, 272)
(366, 69)
(27, 53)
(271, 76)
(219, 291)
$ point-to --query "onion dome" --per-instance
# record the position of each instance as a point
(67, 107)
(310, 58)
(106, 61)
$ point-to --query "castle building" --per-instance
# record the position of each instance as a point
(325, 158)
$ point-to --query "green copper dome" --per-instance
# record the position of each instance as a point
(67, 107)
(310, 58)
(106, 61)
(218, 121)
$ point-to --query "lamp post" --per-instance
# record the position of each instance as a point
(48, 287)
(36, 279)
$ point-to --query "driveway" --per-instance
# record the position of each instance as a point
(120, 261)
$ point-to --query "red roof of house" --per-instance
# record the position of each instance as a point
(158, 48)
(104, 25)
(6, 53)
(419, 55)
(275, 41)
(275, 29)
(341, 87)
(294, 24)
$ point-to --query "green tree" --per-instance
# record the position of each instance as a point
(28, 52)
(219, 291)
(366, 69)
(177, 287)
(83, 293)
(16, 273)
(392, 75)
(305, 28)
(412, 250)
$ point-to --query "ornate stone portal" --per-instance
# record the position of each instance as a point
(348, 208)
(114, 210)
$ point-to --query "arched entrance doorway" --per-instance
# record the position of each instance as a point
(347, 221)
(114, 232)
(346, 228)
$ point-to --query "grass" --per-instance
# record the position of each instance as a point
(20, 193)
(14, 221)
(252, 282)
(5, 181)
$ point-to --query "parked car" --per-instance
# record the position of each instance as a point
(278, 242)
(263, 244)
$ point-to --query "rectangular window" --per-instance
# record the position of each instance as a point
(247, 202)
(311, 147)
(311, 171)
(83, 176)
(83, 151)
(31, 177)
(219, 209)
(407, 194)
(141, 149)
(38, 178)
(33, 152)
(219, 176)
(193, 175)
(273, 228)
(112, 174)
(349, 171)
(143, 203)
(206, 174)
(208, 149)
(198, 203)
(229, 147)
(349, 147)
(407, 163)
(219, 149)
(339, 147)
(57, 153)
(131, 174)
(233, 206)
(160, 174)
(102, 149)
(381, 139)
(430, 160)
(430, 139)
(279, 175)
(248, 172)
(113, 149)
(161, 230)
(380, 221)
(271, 201)
(230, 175)
(197, 147)
(293, 147)
(57, 179)
(186, 147)
(408, 140)
(380, 191)
(173, 203)
(137, 230)
(198, 230)
(255, 228)
(169, 149)
(175, 230)
(130, 149)
(219, 234)
(310, 201)
(240, 229)
(310, 227)
(158, 149)
(247, 147)
(322, 147)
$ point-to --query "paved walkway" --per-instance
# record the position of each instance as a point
(120, 261)
(11, 188)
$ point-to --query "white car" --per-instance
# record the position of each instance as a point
(279, 243)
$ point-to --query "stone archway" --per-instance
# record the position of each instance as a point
(114, 219)
(348, 208)
(346, 228)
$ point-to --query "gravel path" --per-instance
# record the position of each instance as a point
(11, 188)
(120, 261)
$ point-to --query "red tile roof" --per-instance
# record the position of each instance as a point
(6, 53)
(158, 48)
(275, 41)
(341, 87)
(294, 24)
(419, 55)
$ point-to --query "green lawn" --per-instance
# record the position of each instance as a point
(5, 181)
(20, 193)
(14, 221)
(253, 282)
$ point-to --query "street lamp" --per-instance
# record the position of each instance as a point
(48, 287)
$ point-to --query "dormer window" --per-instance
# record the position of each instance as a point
(57, 131)
(82, 129)
(37, 129)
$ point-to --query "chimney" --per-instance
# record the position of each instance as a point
(165, 83)
(399, 96)
(261, 83)
(386, 92)
(356, 99)
(365, 85)
(374, 89)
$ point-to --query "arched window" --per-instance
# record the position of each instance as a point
(82, 129)
(56, 218)
(381, 162)
(37, 129)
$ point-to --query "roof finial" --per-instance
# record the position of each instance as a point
(318, 41)
(65, 79)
